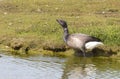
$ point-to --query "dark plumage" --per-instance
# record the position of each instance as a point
(79, 42)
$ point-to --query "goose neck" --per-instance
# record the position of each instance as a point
(66, 34)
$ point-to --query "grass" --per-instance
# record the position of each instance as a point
(35, 21)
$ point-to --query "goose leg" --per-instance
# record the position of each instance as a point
(78, 52)
(83, 53)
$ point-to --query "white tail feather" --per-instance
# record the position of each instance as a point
(92, 45)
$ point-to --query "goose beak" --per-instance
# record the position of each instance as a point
(62, 22)
(58, 20)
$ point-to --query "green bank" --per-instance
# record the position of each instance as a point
(31, 25)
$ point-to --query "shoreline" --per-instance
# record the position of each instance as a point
(66, 52)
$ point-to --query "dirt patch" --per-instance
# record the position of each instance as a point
(16, 44)
(56, 48)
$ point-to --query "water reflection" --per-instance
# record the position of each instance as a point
(58, 68)
(85, 72)
(91, 68)
(31, 68)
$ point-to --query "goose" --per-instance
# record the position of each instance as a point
(78, 41)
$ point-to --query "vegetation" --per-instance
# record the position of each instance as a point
(34, 22)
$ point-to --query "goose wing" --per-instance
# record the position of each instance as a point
(85, 38)
(77, 41)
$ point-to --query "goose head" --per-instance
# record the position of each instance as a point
(62, 23)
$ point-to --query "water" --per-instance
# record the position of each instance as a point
(58, 68)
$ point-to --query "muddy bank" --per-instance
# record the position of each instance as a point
(19, 46)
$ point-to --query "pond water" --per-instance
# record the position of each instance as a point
(40, 67)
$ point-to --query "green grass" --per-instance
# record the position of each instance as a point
(35, 21)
